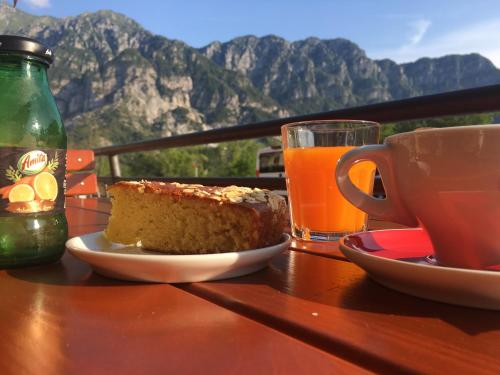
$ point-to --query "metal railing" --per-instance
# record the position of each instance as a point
(476, 100)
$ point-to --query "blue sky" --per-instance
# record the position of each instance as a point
(401, 30)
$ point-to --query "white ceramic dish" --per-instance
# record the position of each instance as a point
(397, 260)
(135, 264)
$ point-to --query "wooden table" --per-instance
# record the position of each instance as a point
(308, 312)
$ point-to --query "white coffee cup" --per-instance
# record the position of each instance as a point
(447, 181)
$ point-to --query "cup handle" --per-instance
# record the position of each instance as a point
(391, 208)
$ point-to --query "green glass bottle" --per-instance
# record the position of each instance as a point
(33, 227)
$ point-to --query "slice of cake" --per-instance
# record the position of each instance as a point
(194, 219)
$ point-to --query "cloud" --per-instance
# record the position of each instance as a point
(39, 3)
(420, 27)
(475, 38)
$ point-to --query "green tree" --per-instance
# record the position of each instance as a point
(181, 162)
(233, 159)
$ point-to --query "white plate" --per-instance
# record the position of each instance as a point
(135, 264)
(397, 260)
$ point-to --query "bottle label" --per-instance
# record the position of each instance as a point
(31, 180)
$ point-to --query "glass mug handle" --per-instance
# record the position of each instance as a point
(390, 208)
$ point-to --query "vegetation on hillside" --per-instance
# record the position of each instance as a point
(226, 159)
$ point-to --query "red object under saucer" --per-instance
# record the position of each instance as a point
(397, 244)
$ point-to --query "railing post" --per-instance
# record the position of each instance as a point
(114, 166)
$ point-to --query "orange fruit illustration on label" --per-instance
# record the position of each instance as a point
(45, 185)
(21, 193)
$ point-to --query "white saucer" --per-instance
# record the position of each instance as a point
(397, 259)
(135, 264)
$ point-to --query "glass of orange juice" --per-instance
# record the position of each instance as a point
(311, 151)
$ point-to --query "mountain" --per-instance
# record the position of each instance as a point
(320, 75)
(115, 82)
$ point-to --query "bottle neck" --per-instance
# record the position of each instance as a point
(22, 67)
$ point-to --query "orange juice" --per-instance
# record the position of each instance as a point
(315, 202)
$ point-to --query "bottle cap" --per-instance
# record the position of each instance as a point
(13, 43)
